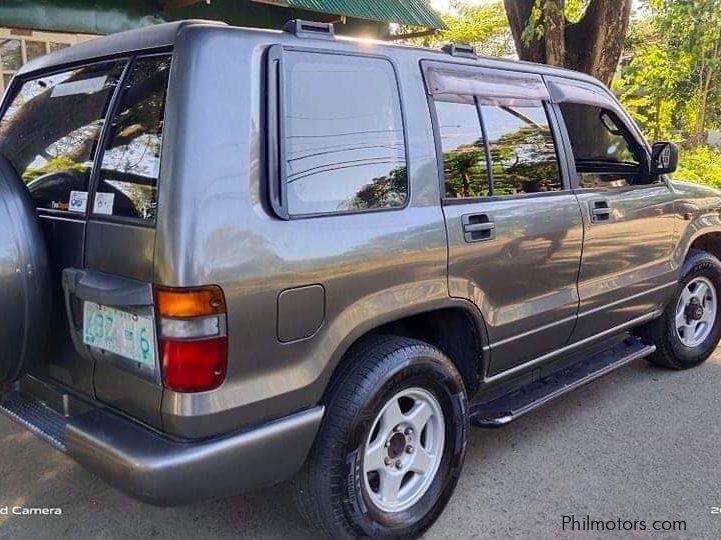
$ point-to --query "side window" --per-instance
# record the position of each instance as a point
(343, 135)
(50, 133)
(523, 154)
(606, 154)
(519, 141)
(131, 162)
(465, 168)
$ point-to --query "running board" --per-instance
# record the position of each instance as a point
(35, 416)
(507, 408)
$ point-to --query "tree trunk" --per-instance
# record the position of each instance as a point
(592, 45)
(657, 124)
(707, 75)
(554, 22)
(700, 128)
(519, 13)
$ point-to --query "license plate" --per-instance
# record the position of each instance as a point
(119, 332)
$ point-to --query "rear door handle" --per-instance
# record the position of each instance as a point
(600, 210)
(478, 227)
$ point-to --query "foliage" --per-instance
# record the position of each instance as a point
(652, 87)
(670, 82)
(692, 30)
(701, 164)
(385, 191)
(55, 164)
(672, 62)
(484, 26)
(522, 162)
(572, 10)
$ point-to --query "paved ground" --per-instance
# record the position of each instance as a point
(640, 444)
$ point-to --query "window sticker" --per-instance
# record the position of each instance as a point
(78, 201)
(73, 88)
(104, 203)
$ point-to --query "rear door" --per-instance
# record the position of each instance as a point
(115, 286)
(514, 226)
(626, 268)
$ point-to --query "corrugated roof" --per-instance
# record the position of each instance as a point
(411, 12)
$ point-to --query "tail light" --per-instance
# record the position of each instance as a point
(193, 337)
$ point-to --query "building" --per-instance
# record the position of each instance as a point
(30, 28)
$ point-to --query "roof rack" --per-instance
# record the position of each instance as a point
(460, 49)
(309, 29)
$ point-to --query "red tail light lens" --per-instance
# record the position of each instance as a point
(194, 366)
(193, 337)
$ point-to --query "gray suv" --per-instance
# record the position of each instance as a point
(232, 257)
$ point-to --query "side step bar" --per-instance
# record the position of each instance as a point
(506, 408)
(36, 417)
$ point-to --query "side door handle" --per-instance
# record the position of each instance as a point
(600, 210)
(478, 227)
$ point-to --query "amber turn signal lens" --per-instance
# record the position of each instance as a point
(189, 302)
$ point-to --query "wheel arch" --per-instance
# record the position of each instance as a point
(703, 232)
(708, 241)
(449, 327)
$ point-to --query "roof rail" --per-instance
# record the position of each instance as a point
(459, 49)
(309, 29)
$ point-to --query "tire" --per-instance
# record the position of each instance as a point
(25, 294)
(334, 492)
(678, 350)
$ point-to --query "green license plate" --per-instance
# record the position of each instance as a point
(119, 332)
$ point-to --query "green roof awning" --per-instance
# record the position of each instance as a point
(410, 12)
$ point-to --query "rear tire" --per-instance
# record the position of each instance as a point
(689, 329)
(360, 478)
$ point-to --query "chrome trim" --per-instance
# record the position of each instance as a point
(540, 359)
(579, 315)
(532, 331)
(194, 328)
(632, 297)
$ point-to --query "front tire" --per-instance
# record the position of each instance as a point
(391, 445)
(690, 327)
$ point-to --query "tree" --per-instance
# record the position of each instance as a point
(652, 85)
(693, 29)
(671, 64)
(544, 31)
(485, 27)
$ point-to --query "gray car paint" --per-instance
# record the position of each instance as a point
(215, 227)
(626, 269)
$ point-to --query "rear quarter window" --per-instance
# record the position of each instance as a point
(130, 165)
(343, 135)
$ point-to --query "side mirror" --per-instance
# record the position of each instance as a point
(664, 157)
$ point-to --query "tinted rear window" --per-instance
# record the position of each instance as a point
(51, 129)
(345, 148)
(131, 162)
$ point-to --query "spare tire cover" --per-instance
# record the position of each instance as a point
(25, 293)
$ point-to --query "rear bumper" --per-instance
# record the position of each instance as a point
(163, 471)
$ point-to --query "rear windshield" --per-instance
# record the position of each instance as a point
(52, 129)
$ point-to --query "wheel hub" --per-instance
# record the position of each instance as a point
(694, 311)
(396, 445)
